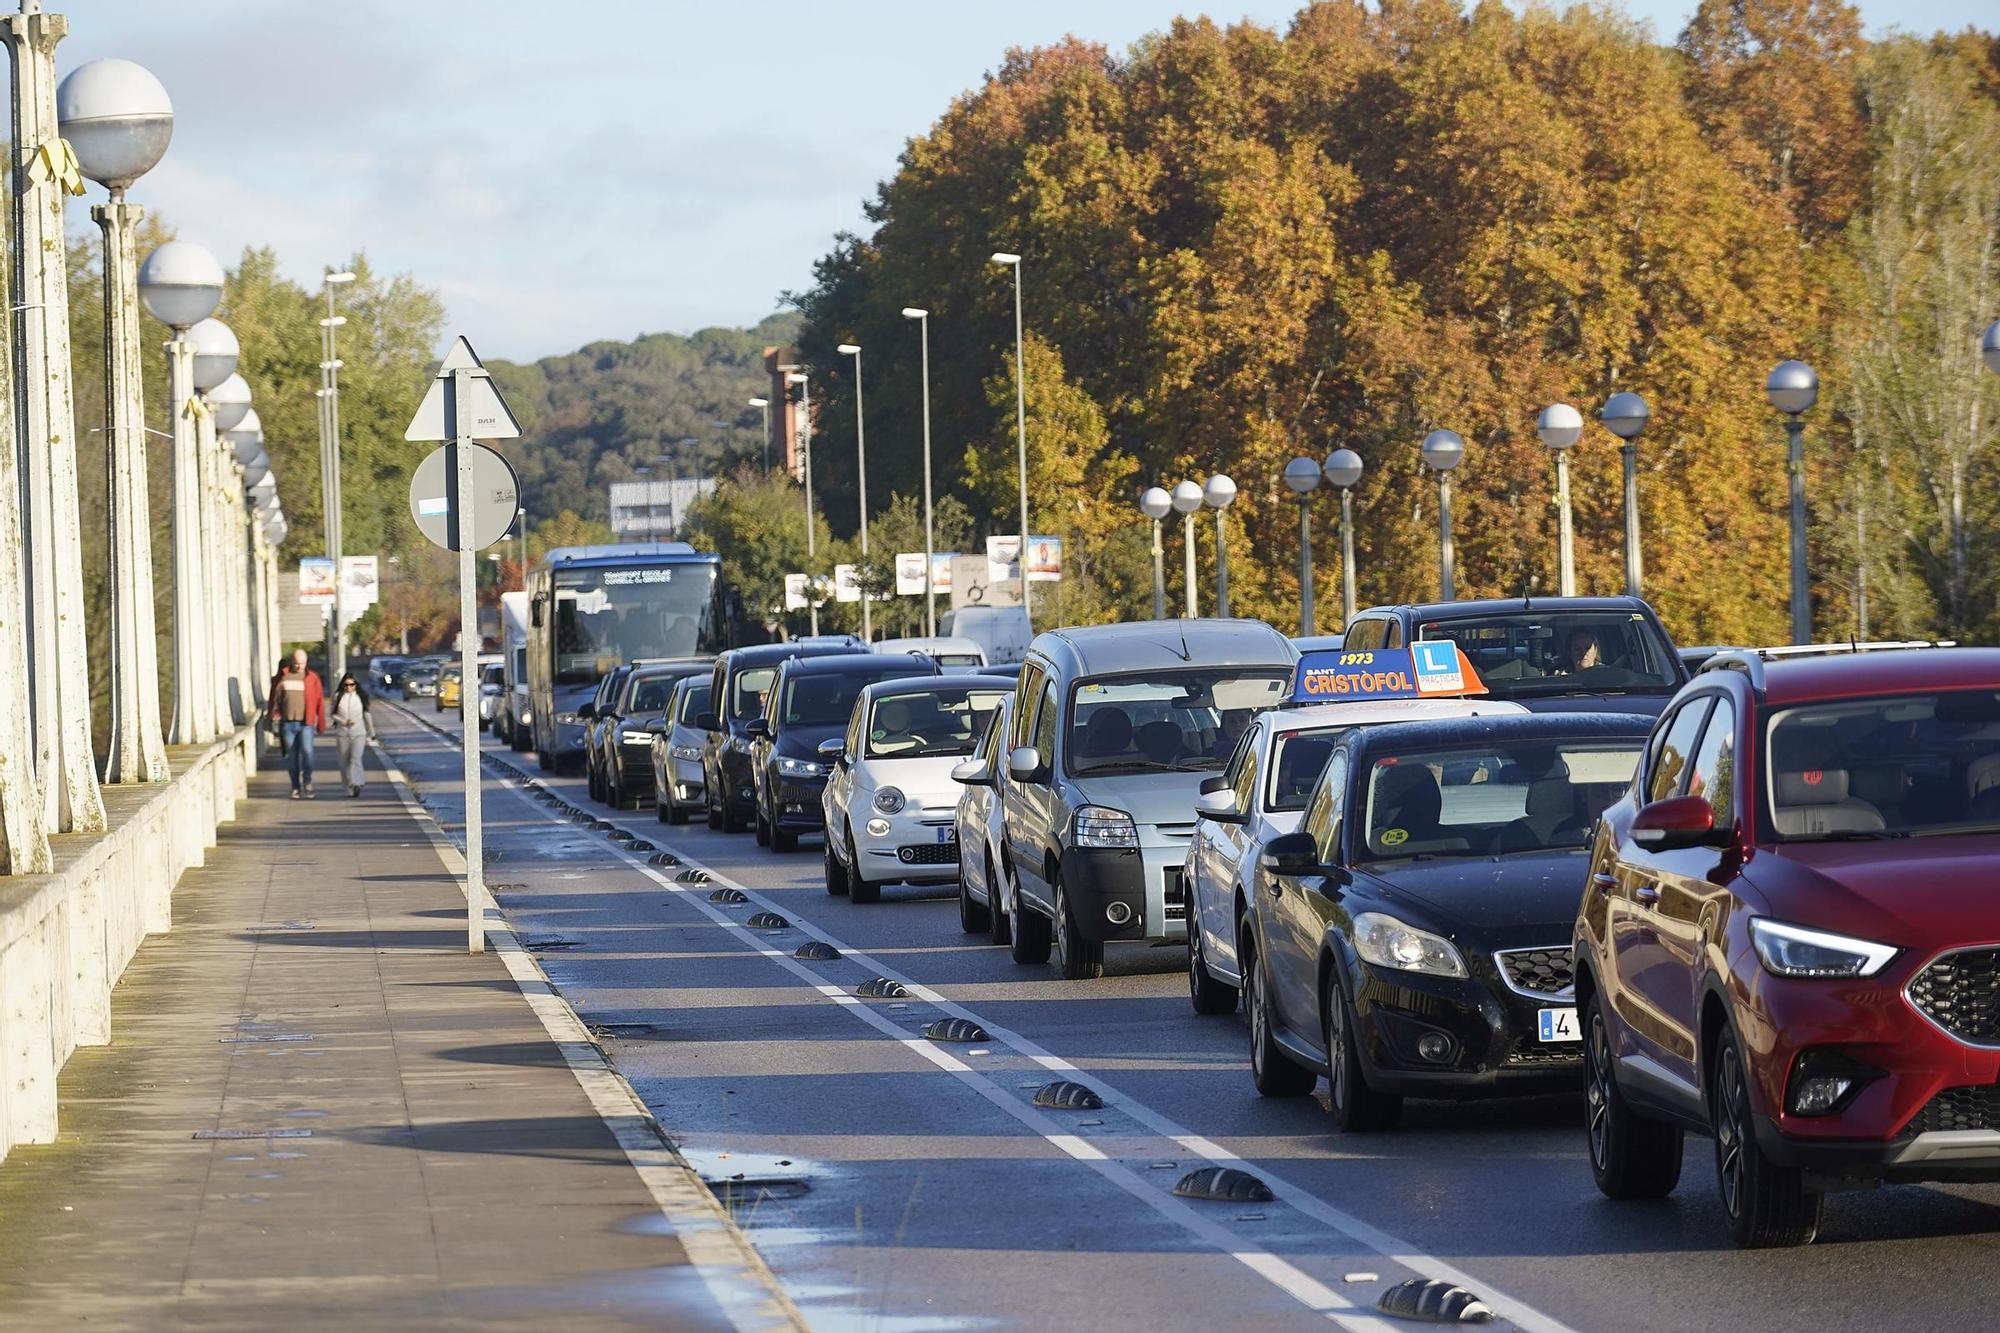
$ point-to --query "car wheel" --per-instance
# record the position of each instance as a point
(1271, 1069)
(996, 906)
(1031, 929)
(836, 874)
(1357, 1108)
(860, 890)
(674, 814)
(763, 827)
(662, 810)
(1077, 958)
(973, 918)
(1631, 1157)
(731, 823)
(1205, 993)
(544, 761)
(1769, 1206)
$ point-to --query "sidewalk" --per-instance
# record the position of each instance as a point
(405, 1145)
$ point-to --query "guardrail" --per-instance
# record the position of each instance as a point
(66, 937)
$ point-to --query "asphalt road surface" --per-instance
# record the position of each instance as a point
(897, 1183)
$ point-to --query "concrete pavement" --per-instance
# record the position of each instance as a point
(318, 1110)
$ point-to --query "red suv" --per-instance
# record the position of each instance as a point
(1790, 939)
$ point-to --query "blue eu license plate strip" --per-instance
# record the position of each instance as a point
(1559, 1025)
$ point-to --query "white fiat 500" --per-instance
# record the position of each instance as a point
(1259, 795)
(891, 804)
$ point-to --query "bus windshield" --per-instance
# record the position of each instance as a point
(607, 616)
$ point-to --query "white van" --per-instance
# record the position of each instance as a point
(1002, 632)
(512, 717)
(955, 657)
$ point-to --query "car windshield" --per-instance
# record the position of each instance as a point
(695, 701)
(1297, 757)
(1534, 794)
(827, 700)
(747, 691)
(650, 694)
(1174, 721)
(606, 616)
(944, 720)
(1907, 766)
(1536, 654)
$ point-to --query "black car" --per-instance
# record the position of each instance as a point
(809, 703)
(1412, 938)
(588, 714)
(740, 680)
(623, 755)
(1547, 654)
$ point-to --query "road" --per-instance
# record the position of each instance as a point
(895, 1183)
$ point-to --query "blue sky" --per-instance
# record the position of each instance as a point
(561, 173)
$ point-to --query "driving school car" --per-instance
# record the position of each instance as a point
(1411, 938)
(1262, 793)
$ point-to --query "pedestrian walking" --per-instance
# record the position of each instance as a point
(353, 728)
(298, 708)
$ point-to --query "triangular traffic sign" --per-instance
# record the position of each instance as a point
(491, 419)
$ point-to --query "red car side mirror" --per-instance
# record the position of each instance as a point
(1678, 821)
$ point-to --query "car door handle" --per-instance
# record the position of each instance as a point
(1646, 894)
(1604, 882)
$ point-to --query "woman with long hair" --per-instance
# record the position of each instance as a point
(352, 730)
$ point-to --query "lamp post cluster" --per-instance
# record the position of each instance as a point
(1188, 499)
(1341, 471)
(110, 121)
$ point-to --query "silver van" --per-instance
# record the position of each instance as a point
(1113, 729)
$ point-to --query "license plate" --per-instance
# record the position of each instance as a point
(1559, 1025)
(949, 834)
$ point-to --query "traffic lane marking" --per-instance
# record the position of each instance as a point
(1302, 1289)
(1273, 1269)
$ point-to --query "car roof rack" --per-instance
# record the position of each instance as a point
(1750, 661)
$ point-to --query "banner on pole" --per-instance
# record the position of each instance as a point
(1003, 559)
(909, 573)
(845, 586)
(795, 592)
(941, 571)
(360, 583)
(1044, 559)
(316, 580)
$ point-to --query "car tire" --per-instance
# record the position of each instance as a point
(662, 810)
(973, 918)
(1356, 1107)
(614, 795)
(674, 814)
(860, 890)
(1205, 993)
(1769, 1206)
(1033, 937)
(763, 827)
(1077, 958)
(783, 840)
(714, 815)
(1631, 1157)
(836, 874)
(1272, 1070)
(544, 761)
(1001, 926)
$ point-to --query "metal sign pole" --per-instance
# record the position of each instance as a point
(459, 489)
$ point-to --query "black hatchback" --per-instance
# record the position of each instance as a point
(809, 703)
(1413, 937)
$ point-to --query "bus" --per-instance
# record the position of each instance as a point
(592, 608)
(509, 719)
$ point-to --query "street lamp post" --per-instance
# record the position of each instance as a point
(1625, 415)
(336, 648)
(212, 365)
(1443, 450)
(118, 119)
(1792, 388)
(1013, 262)
(1186, 500)
(44, 408)
(765, 403)
(181, 285)
(521, 535)
(1302, 478)
(1989, 347)
(229, 407)
(1156, 504)
(1343, 469)
(861, 485)
(923, 318)
(1216, 493)
(1560, 426)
